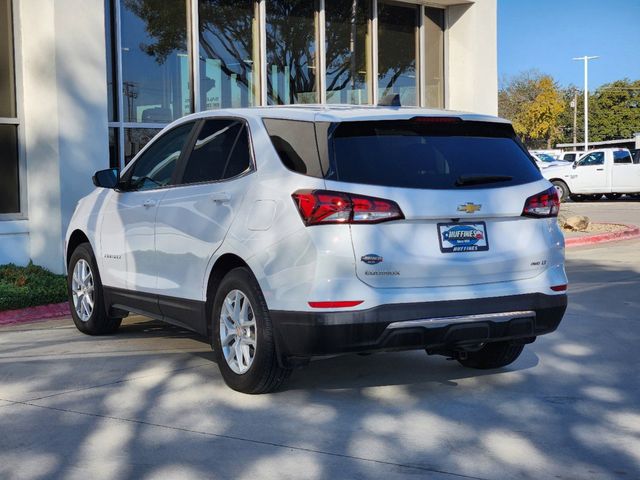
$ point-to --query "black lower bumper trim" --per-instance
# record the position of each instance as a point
(306, 334)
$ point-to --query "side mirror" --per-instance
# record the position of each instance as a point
(575, 164)
(109, 178)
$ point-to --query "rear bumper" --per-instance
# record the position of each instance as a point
(306, 334)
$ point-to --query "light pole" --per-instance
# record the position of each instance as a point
(574, 105)
(586, 59)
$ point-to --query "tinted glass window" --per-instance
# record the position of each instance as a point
(596, 158)
(228, 39)
(155, 167)
(156, 82)
(434, 56)
(569, 157)
(9, 185)
(347, 30)
(7, 83)
(636, 156)
(414, 154)
(622, 157)
(291, 52)
(221, 151)
(295, 142)
(397, 28)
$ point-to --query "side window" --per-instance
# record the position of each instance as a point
(295, 142)
(596, 158)
(221, 151)
(155, 167)
(569, 157)
(622, 157)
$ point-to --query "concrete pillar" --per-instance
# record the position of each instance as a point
(65, 115)
(637, 137)
(471, 63)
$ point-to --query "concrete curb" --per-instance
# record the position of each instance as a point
(35, 314)
(632, 231)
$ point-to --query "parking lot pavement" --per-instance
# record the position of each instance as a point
(150, 403)
(623, 210)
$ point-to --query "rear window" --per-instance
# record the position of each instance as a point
(422, 154)
(622, 156)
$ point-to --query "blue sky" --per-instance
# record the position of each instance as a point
(547, 34)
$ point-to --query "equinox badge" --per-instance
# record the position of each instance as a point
(469, 207)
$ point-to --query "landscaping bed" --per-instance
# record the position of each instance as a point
(29, 286)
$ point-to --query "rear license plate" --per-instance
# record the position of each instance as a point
(463, 237)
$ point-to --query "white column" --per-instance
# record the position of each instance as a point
(65, 111)
(471, 74)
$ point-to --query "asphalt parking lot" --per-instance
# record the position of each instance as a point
(150, 403)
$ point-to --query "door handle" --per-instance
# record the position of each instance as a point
(220, 197)
(600, 169)
(149, 203)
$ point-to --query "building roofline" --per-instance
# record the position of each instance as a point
(605, 142)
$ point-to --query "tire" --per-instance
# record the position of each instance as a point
(492, 355)
(612, 196)
(577, 198)
(86, 298)
(258, 370)
(562, 189)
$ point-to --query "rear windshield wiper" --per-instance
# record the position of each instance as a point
(464, 180)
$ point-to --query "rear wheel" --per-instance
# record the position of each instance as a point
(242, 336)
(491, 355)
(85, 294)
(562, 189)
(612, 196)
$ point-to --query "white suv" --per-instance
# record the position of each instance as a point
(290, 232)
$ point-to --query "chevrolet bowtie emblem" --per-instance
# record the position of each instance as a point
(469, 207)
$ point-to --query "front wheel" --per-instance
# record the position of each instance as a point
(242, 336)
(491, 355)
(562, 189)
(85, 294)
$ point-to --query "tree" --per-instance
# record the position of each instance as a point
(534, 103)
(614, 111)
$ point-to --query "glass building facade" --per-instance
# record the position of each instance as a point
(9, 165)
(171, 58)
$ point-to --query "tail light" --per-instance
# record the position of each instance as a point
(319, 207)
(543, 204)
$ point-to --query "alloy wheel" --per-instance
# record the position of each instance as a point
(83, 290)
(238, 331)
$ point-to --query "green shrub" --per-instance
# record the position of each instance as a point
(29, 286)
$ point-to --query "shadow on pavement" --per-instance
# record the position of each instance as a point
(149, 403)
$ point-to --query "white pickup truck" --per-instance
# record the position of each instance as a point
(608, 171)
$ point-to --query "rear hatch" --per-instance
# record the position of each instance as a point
(461, 187)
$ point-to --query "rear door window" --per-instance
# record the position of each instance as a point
(622, 157)
(220, 152)
(420, 153)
